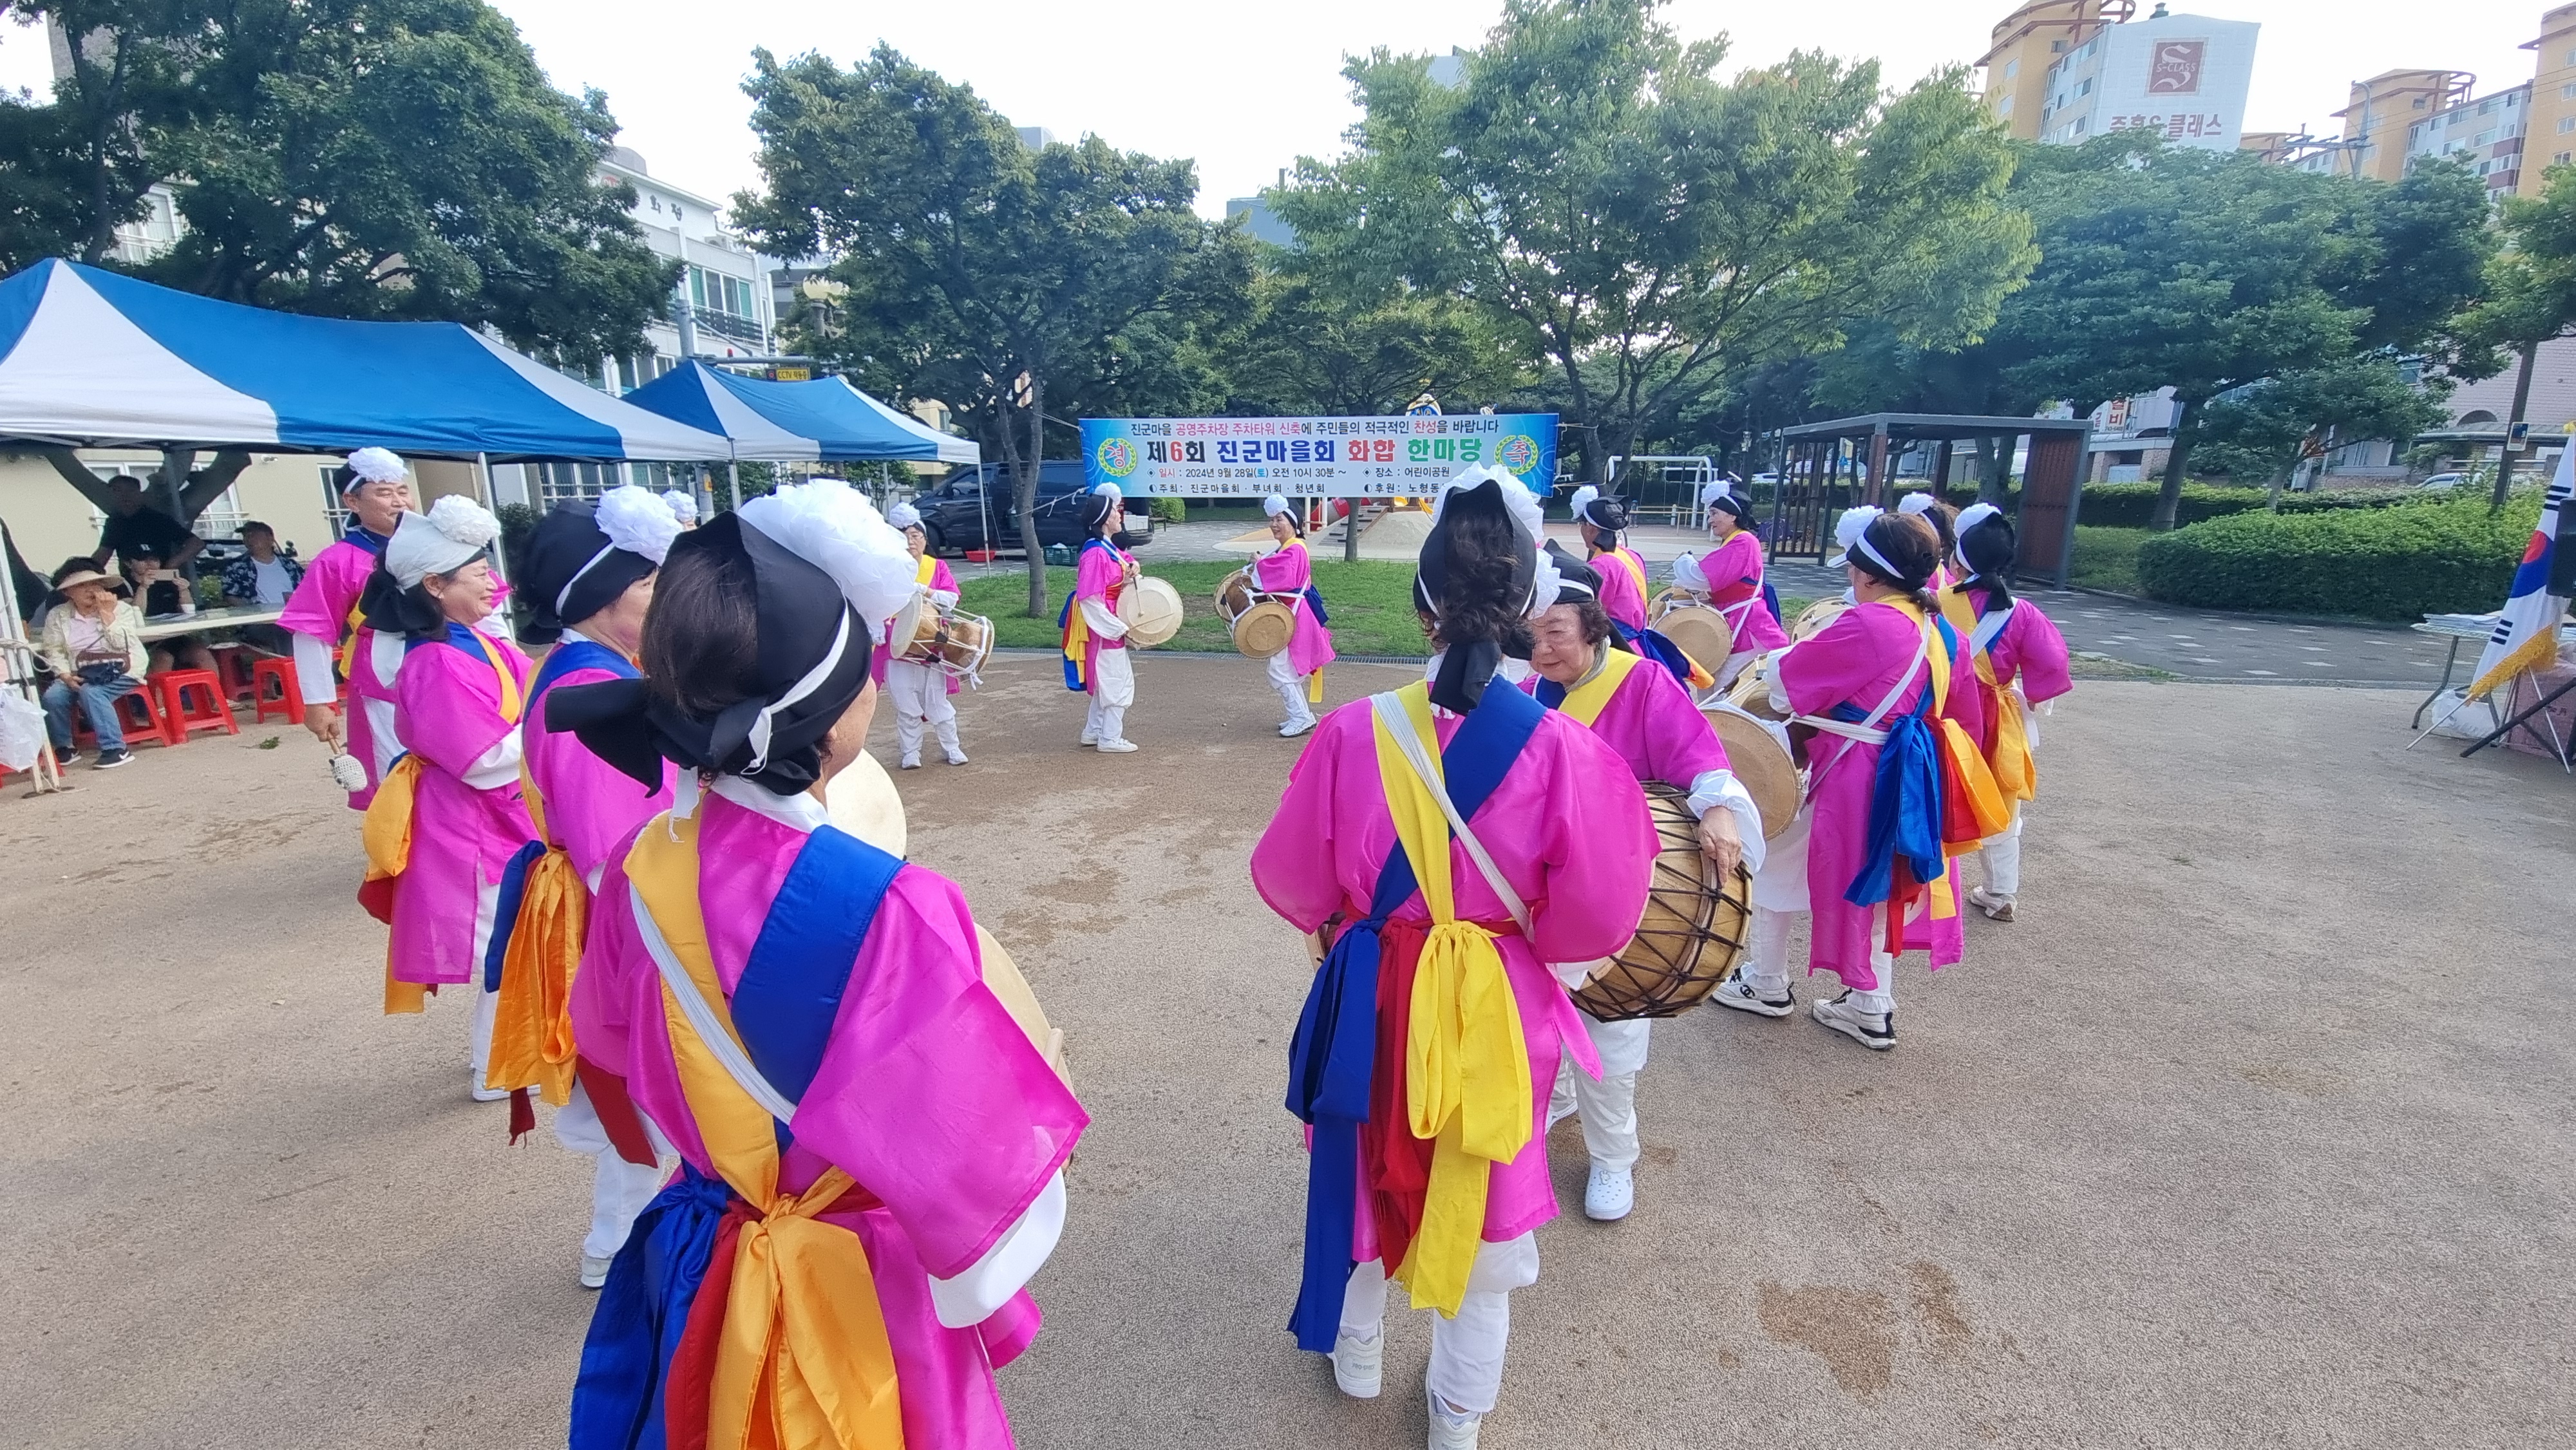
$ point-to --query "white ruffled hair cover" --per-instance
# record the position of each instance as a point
(1687, 574)
(683, 505)
(1847, 528)
(637, 521)
(378, 465)
(833, 527)
(1274, 506)
(441, 541)
(1524, 508)
(1915, 503)
(1710, 493)
(904, 516)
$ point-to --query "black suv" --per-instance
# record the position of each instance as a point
(953, 510)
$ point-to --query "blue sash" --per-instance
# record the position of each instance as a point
(783, 1008)
(1905, 803)
(1315, 602)
(360, 535)
(1332, 1054)
(578, 654)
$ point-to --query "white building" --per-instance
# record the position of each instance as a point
(2182, 75)
(2485, 134)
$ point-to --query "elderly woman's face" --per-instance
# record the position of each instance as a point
(1558, 650)
(90, 599)
(1281, 529)
(466, 596)
(915, 540)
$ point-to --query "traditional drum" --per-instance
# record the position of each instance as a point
(948, 640)
(1151, 610)
(1751, 692)
(1812, 620)
(1695, 926)
(1758, 751)
(862, 801)
(1265, 629)
(1235, 595)
(1701, 633)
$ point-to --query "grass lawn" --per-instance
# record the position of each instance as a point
(1371, 604)
(2107, 558)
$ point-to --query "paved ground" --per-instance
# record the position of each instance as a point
(2252, 1131)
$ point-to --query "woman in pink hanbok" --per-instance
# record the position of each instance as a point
(1728, 579)
(872, 1149)
(1440, 1011)
(2021, 669)
(921, 693)
(1097, 660)
(1296, 672)
(328, 625)
(1601, 520)
(1865, 855)
(447, 817)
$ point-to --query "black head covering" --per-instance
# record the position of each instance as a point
(1577, 580)
(1606, 512)
(1989, 550)
(571, 571)
(1876, 545)
(1095, 510)
(1466, 665)
(801, 618)
(1730, 504)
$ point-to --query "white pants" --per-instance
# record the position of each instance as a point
(487, 1005)
(1113, 689)
(1466, 1352)
(921, 693)
(2001, 854)
(618, 1189)
(1766, 964)
(1608, 1108)
(1291, 687)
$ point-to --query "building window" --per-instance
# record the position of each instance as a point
(2004, 106)
(2566, 124)
(334, 511)
(2084, 88)
(2013, 68)
(2562, 158)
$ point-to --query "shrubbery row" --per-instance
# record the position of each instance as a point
(2434, 556)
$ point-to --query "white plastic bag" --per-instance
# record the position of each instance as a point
(22, 730)
(2469, 720)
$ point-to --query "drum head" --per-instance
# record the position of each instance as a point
(1151, 608)
(1265, 629)
(1234, 595)
(1694, 930)
(1701, 633)
(907, 623)
(1762, 763)
(862, 801)
(1812, 619)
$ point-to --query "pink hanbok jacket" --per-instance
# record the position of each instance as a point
(1100, 574)
(1621, 598)
(1651, 724)
(592, 808)
(1568, 832)
(1287, 570)
(2031, 651)
(319, 609)
(1859, 658)
(908, 1061)
(1734, 570)
(447, 704)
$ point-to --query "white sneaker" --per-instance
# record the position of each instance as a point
(957, 758)
(484, 1094)
(1873, 1030)
(1450, 1431)
(1996, 908)
(1116, 747)
(1295, 728)
(910, 762)
(1088, 737)
(1610, 1195)
(1359, 1365)
(1738, 993)
(594, 1272)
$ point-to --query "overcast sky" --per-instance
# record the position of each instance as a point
(1246, 90)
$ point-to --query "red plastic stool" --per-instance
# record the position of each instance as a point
(178, 719)
(233, 662)
(289, 701)
(149, 726)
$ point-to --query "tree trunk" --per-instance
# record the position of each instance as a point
(1024, 491)
(2177, 454)
(1994, 469)
(2505, 455)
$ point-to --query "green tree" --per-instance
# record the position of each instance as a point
(1318, 348)
(1593, 185)
(2203, 272)
(381, 159)
(2266, 430)
(1000, 279)
(2530, 295)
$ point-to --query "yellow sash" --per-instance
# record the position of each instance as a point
(926, 570)
(349, 628)
(1586, 701)
(1466, 1062)
(532, 1015)
(2016, 774)
(804, 1363)
(386, 829)
(1636, 568)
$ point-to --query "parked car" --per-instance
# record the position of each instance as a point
(953, 512)
(2444, 482)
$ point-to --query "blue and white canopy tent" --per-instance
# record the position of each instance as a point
(798, 422)
(91, 359)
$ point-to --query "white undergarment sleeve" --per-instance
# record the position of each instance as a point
(1102, 620)
(971, 1297)
(942, 596)
(313, 679)
(1720, 788)
(1779, 687)
(497, 766)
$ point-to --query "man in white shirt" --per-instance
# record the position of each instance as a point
(261, 579)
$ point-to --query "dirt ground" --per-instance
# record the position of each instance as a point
(2252, 1130)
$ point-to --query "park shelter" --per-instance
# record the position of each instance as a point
(1831, 466)
(774, 422)
(90, 358)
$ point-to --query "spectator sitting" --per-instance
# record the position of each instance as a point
(91, 644)
(149, 542)
(261, 579)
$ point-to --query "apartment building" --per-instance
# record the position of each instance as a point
(2181, 76)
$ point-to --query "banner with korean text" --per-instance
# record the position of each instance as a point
(1312, 457)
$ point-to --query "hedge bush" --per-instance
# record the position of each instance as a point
(2378, 563)
(2131, 505)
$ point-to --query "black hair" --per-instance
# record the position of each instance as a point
(248, 525)
(1913, 545)
(413, 613)
(1944, 522)
(701, 648)
(1296, 524)
(1096, 508)
(1478, 601)
(1989, 552)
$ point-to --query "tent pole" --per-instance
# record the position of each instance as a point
(733, 482)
